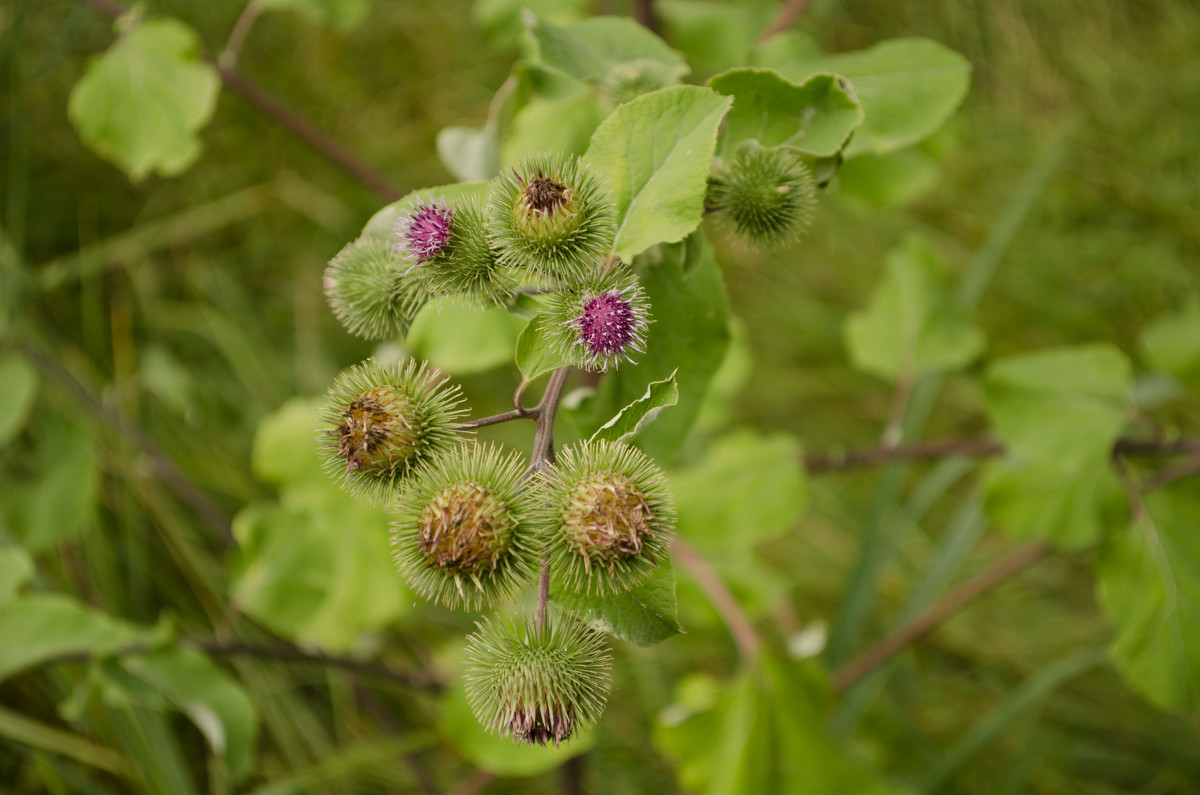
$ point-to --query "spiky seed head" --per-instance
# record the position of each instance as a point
(537, 684)
(467, 268)
(552, 215)
(607, 518)
(383, 420)
(767, 196)
(424, 230)
(601, 321)
(370, 291)
(463, 537)
(629, 80)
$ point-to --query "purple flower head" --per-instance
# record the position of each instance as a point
(610, 326)
(425, 231)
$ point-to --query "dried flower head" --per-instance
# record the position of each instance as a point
(424, 230)
(369, 290)
(537, 684)
(463, 539)
(552, 215)
(607, 519)
(766, 195)
(382, 421)
(600, 322)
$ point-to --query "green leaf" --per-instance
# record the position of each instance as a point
(500, 757)
(890, 180)
(908, 87)
(655, 152)
(1067, 502)
(644, 616)
(18, 390)
(748, 488)
(285, 448)
(536, 354)
(1171, 344)
(765, 732)
(590, 48)
(559, 125)
(815, 118)
(469, 153)
(914, 323)
(1149, 584)
(502, 20)
(16, 569)
(343, 14)
(42, 627)
(634, 418)
(383, 222)
(61, 503)
(713, 36)
(142, 103)
(462, 340)
(689, 338)
(214, 701)
(1064, 404)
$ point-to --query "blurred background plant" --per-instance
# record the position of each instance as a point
(186, 604)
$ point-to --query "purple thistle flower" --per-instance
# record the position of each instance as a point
(425, 231)
(610, 326)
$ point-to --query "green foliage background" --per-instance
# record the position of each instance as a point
(192, 307)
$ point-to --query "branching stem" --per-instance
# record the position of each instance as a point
(721, 598)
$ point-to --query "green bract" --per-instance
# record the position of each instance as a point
(766, 195)
(607, 518)
(463, 539)
(382, 421)
(467, 268)
(371, 291)
(537, 684)
(552, 215)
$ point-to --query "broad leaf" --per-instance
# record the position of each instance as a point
(644, 616)
(213, 700)
(590, 48)
(536, 354)
(1171, 344)
(60, 504)
(908, 87)
(504, 23)
(765, 732)
(655, 153)
(1066, 502)
(634, 418)
(890, 180)
(343, 14)
(42, 627)
(16, 569)
(714, 36)
(816, 118)
(462, 340)
(142, 103)
(1065, 404)
(559, 125)
(1149, 583)
(469, 153)
(18, 389)
(914, 323)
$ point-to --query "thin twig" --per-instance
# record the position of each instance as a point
(496, 419)
(956, 600)
(714, 588)
(286, 118)
(791, 11)
(237, 36)
(543, 439)
(1184, 468)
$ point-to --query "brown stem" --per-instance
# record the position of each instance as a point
(714, 588)
(286, 118)
(496, 419)
(643, 12)
(237, 36)
(788, 14)
(956, 600)
(547, 408)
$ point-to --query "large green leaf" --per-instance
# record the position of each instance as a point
(60, 503)
(634, 418)
(16, 569)
(1065, 404)
(462, 340)
(560, 125)
(42, 627)
(644, 616)
(142, 103)
(18, 389)
(343, 14)
(536, 352)
(1067, 502)
(1171, 344)
(765, 732)
(815, 118)
(1149, 583)
(590, 48)
(714, 36)
(914, 323)
(908, 87)
(655, 152)
(688, 337)
(502, 20)
(213, 700)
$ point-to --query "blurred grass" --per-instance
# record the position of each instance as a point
(193, 306)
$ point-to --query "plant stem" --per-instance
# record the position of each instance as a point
(956, 600)
(237, 36)
(791, 11)
(643, 12)
(496, 419)
(727, 606)
(541, 458)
